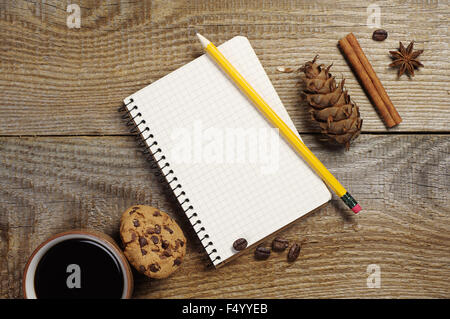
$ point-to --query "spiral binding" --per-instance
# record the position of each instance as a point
(155, 155)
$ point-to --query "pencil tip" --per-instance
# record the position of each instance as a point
(204, 41)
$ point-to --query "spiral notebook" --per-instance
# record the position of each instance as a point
(190, 119)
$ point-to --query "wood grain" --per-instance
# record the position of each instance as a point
(60, 81)
(79, 167)
(52, 184)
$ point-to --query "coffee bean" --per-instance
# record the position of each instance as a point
(154, 267)
(135, 223)
(240, 244)
(155, 239)
(379, 35)
(262, 252)
(293, 253)
(280, 244)
(142, 241)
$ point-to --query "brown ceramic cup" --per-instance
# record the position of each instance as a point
(67, 265)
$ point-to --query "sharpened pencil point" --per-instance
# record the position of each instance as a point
(204, 41)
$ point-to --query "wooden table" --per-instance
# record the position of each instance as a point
(67, 160)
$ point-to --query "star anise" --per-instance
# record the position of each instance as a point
(406, 59)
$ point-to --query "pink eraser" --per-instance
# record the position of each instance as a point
(356, 209)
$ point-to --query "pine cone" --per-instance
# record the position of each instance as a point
(330, 104)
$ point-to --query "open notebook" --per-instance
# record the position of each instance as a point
(190, 119)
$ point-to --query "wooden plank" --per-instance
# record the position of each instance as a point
(52, 184)
(60, 81)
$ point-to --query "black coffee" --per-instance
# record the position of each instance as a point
(78, 268)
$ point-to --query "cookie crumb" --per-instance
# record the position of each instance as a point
(283, 69)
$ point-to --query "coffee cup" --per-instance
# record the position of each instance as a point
(80, 264)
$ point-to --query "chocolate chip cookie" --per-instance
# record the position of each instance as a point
(154, 243)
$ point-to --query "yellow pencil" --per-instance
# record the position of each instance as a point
(276, 121)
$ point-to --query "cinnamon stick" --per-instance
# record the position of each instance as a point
(367, 83)
(373, 76)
